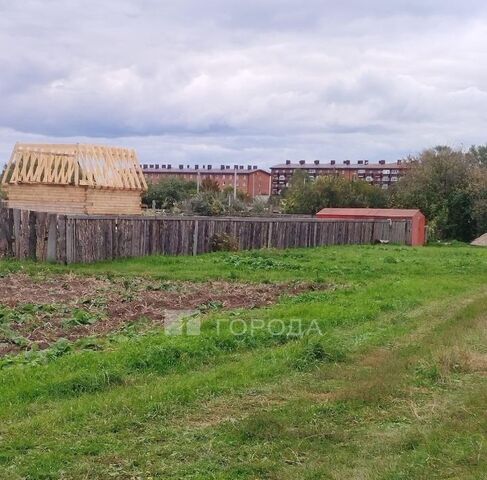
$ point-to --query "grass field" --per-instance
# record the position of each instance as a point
(387, 381)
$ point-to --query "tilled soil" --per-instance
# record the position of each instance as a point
(73, 307)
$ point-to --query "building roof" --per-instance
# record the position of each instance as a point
(367, 213)
(229, 171)
(342, 166)
(75, 164)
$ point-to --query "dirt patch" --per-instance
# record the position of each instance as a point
(22, 288)
(37, 311)
(459, 360)
(205, 296)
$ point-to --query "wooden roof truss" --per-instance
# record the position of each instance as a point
(82, 165)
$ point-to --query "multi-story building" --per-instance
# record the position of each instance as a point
(381, 174)
(251, 180)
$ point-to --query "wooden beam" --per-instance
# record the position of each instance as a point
(10, 163)
(90, 165)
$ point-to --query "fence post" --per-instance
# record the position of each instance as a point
(70, 240)
(195, 237)
(52, 239)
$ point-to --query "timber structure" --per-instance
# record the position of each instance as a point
(74, 178)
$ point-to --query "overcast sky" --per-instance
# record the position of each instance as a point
(254, 81)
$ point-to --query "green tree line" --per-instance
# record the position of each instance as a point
(448, 185)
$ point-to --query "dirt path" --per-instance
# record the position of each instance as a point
(374, 371)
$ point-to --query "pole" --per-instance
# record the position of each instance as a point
(235, 184)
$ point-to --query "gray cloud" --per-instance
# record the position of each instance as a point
(260, 80)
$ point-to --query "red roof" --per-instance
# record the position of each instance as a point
(368, 213)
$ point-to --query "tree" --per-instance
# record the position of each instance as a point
(308, 196)
(479, 154)
(447, 185)
(478, 188)
(167, 192)
(210, 185)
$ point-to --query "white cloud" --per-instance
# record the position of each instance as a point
(255, 81)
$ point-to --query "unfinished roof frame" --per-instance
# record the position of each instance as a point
(75, 164)
(74, 178)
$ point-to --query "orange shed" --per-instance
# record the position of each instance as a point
(418, 220)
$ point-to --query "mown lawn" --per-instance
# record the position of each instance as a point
(390, 383)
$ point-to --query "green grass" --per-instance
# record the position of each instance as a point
(345, 262)
(393, 388)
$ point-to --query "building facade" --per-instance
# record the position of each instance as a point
(381, 174)
(250, 180)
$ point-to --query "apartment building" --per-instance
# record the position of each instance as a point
(251, 180)
(381, 174)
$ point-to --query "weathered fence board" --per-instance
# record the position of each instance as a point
(83, 239)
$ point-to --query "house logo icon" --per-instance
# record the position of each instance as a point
(182, 322)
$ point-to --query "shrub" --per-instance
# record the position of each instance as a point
(223, 242)
(206, 204)
(167, 192)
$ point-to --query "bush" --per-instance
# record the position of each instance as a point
(206, 204)
(258, 207)
(168, 192)
(223, 242)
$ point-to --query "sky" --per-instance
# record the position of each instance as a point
(249, 82)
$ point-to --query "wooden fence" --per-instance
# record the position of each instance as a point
(82, 239)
